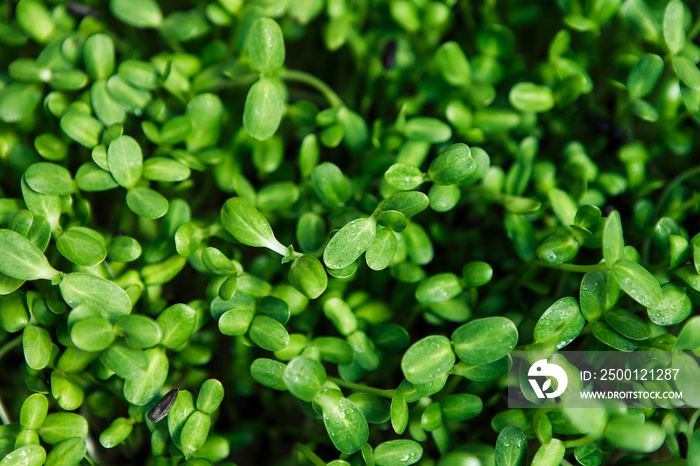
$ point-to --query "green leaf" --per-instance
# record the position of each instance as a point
(99, 294)
(341, 315)
(124, 249)
(82, 246)
(476, 274)
(263, 109)
(195, 431)
(561, 322)
(98, 53)
(452, 165)
(675, 306)
(350, 242)
(178, 414)
(558, 249)
(140, 391)
(613, 241)
(308, 276)
(116, 433)
(210, 396)
(444, 198)
(58, 427)
(605, 334)
(127, 362)
(530, 97)
(511, 447)
(235, 321)
(177, 323)
(304, 377)
(266, 45)
(638, 283)
(248, 225)
(645, 75)
(428, 359)
(82, 128)
(138, 331)
(310, 232)
(333, 350)
(549, 454)
(69, 451)
(269, 373)
(409, 203)
(49, 178)
(28, 455)
(689, 336)
(125, 161)
(643, 110)
(344, 422)
(92, 334)
(428, 130)
(628, 324)
(33, 412)
(267, 333)
(206, 113)
(107, 109)
(91, 178)
(68, 394)
(687, 377)
(630, 434)
(399, 412)
(404, 176)
(23, 260)
(137, 13)
(36, 343)
(687, 71)
(453, 64)
(330, 185)
(146, 202)
(564, 206)
(438, 288)
(486, 340)
(382, 250)
(673, 27)
(34, 18)
(397, 453)
(461, 407)
(18, 101)
(694, 450)
(164, 169)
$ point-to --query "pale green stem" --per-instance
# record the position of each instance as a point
(573, 267)
(578, 441)
(310, 455)
(673, 184)
(313, 81)
(10, 345)
(362, 388)
(694, 30)
(4, 416)
(691, 424)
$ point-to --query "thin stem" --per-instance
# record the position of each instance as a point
(694, 30)
(306, 451)
(362, 388)
(691, 424)
(673, 184)
(313, 81)
(10, 345)
(4, 416)
(578, 441)
(573, 267)
(563, 462)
